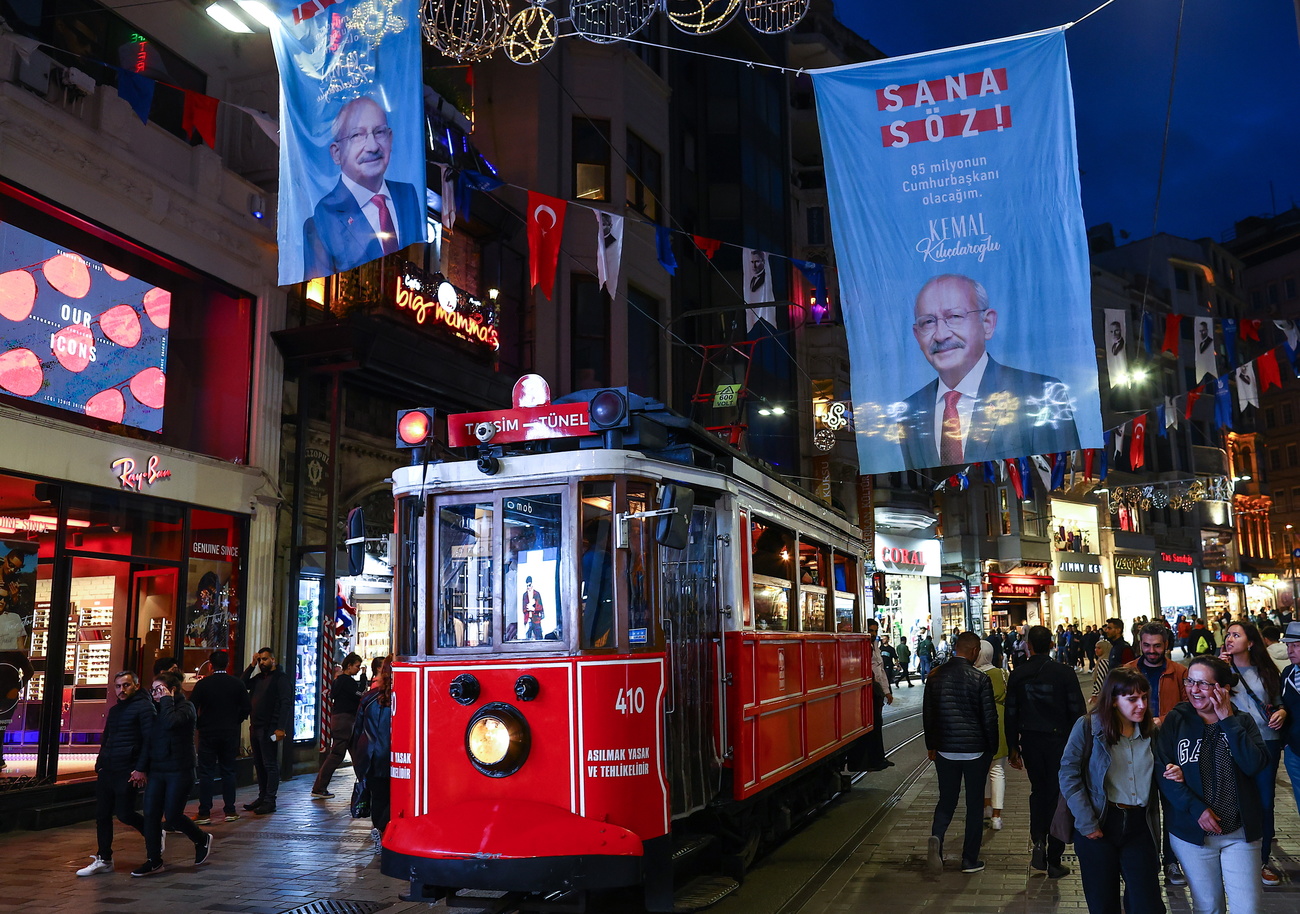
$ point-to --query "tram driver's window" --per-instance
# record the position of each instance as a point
(533, 531)
(846, 586)
(465, 560)
(773, 568)
(596, 568)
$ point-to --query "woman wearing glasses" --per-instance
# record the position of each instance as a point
(1108, 780)
(171, 775)
(1215, 816)
(1258, 693)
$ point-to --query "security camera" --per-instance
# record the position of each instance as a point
(485, 432)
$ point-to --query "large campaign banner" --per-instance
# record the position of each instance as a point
(352, 178)
(963, 259)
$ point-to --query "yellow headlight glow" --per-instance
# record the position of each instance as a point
(489, 740)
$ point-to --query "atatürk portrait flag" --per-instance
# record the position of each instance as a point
(545, 232)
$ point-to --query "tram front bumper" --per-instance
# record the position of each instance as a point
(512, 846)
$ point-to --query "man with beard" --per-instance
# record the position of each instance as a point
(1168, 680)
(1121, 652)
(976, 409)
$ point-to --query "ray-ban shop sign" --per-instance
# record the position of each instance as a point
(1132, 564)
(134, 476)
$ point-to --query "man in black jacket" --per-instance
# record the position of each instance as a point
(961, 735)
(270, 690)
(120, 767)
(222, 704)
(1043, 702)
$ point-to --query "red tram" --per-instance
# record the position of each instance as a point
(613, 646)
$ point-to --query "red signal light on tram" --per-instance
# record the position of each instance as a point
(414, 427)
(608, 409)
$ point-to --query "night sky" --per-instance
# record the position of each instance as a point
(1236, 114)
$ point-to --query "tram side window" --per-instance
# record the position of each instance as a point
(640, 579)
(596, 570)
(846, 589)
(772, 566)
(533, 532)
(465, 559)
(812, 587)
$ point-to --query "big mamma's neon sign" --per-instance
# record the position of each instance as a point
(433, 300)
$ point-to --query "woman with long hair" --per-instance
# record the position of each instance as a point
(995, 788)
(1108, 781)
(1258, 692)
(374, 721)
(1215, 817)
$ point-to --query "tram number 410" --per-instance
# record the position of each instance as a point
(630, 701)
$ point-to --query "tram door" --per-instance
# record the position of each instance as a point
(691, 623)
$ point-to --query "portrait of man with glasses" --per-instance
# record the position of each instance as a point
(977, 408)
(365, 216)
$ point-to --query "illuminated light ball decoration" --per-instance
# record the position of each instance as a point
(700, 17)
(824, 439)
(1180, 495)
(605, 21)
(775, 16)
(465, 30)
(531, 34)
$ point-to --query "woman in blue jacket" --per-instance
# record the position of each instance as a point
(1113, 797)
(1215, 815)
(171, 775)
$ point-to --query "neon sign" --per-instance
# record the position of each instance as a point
(435, 301)
(135, 480)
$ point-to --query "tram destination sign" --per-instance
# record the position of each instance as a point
(523, 423)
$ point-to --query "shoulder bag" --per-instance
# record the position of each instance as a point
(1062, 826)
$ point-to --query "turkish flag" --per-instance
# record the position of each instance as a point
(200, 114)
(1137, 451)
(1266, 371)
(1171, 333)
(1089, 455)
(1249, 329)
(1013, 471)
(708, 245)
(545, 232)
(1192, 396)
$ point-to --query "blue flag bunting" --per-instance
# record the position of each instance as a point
(1148, 331)
(1292, 358)
(136, 91)
(1058, 471)
(1230, 341)
(1160, 421)
(990, 471)
(466, 183)
(1109, 439)
(664, 249)
(1222, 402)
(1027, 476)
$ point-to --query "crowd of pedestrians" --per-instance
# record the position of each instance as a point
(156, 738)
(1168, 768)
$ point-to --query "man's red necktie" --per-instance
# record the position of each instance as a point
(950, 446)
(387, 232)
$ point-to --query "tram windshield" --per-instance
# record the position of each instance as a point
(533, 536)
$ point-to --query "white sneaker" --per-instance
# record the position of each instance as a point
(96, 866)
(377, 839)
(995, 823)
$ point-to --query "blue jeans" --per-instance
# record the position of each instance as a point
(1293, 772)
(951, 774)
(217, 752)
(1266, 781)
(164, 799)
(266, 762)
(1126, 849)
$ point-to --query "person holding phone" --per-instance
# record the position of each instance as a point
(1258, 693)
(1215, 813)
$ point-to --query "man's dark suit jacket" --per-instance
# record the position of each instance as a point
(338, 236)
(997, 430)
(1205, 344)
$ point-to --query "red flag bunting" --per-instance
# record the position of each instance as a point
(1266, 370)
(1192, 396)
(1013, 470)
(545, 231)
(1089, 455)
(1171, 333)
(200, 113)
(708, 245)
(1249, 330)
(1137, 451)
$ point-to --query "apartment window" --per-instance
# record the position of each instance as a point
(1287, 414)
(1182, 281)
(644, 177)
(1272, 293)
(1256, 298)
(1275, 459)
(1295, 496)
(1291, 456)
(1289, 286)
(589, 360)
(590, 159)
(1270, 419)
(643, 335)
(816, 225)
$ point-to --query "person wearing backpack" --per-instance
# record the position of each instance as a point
(1201, 640)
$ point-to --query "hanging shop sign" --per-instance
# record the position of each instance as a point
(1227, 577)
(1175, 560)
(1078, 567)
(134, 477)
(908, 555)
(1024, 586)
(434, 302)
(1132, 564)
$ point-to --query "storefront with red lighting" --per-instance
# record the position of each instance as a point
(1017, 599)
(125, 384)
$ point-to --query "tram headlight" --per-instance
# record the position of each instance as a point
(497, 740)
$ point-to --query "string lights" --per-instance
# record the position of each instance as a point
(1181, 494)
